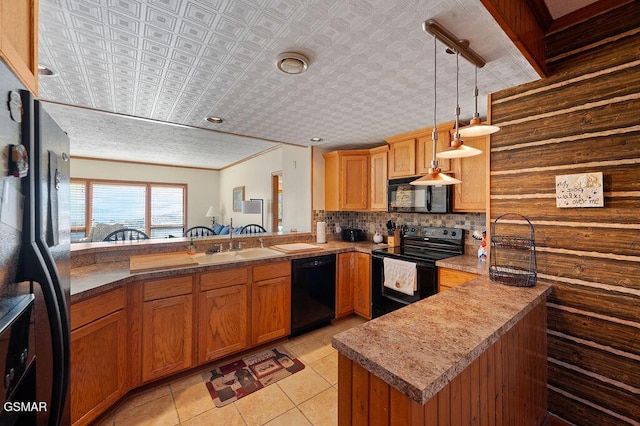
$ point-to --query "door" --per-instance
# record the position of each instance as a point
(166, 336)
(362, 283)
(98, 375)
(270, 309)
(344, 284)
(224, 322)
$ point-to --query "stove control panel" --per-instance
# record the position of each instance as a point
(433, 232)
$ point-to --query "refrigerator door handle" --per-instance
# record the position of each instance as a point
(36, 270)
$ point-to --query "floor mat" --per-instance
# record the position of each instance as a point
(238, 379)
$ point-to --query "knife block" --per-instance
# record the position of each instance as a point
(394, 240)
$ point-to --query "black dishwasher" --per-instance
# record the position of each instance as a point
(313, 293)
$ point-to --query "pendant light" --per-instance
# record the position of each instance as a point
(457, 148)
(475, 128)
(434, 175)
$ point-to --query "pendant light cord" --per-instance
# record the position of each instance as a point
(434, 132)
(457, 135)
(475, 95)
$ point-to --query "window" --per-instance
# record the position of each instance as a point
(157, 209)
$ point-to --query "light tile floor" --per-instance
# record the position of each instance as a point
(309, 397)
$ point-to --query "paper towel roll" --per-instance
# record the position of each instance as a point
(321, 232)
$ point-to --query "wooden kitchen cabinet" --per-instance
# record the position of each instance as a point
(470, 195)
(402, 157)
(270, 302)
(353, 284)
(362, 285)
(344, 284)
(167, 326)
(223, 324)
(346, 180)
(449, 278)
(19, 40)
(411, 153)
(98, 355)
(378, 178)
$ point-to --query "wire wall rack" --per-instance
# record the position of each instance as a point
(513, 251)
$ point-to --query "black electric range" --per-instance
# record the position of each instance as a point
(423, 246)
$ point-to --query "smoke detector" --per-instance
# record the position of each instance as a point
(292, 63)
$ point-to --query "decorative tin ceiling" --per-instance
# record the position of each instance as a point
(179, 61)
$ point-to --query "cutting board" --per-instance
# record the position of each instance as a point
(296, 247)
(152, 262)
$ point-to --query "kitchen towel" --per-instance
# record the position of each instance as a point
(321, 232)
(400, 275)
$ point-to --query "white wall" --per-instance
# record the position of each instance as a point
(317, 182)
(296, 188)
(202, 185)
(255, 175)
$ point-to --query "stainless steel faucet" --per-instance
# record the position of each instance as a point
(231, 234)
(261, 242)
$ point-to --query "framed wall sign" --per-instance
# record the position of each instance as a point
(579, 190)
(238, 198)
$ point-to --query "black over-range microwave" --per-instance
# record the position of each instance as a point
(403, 197)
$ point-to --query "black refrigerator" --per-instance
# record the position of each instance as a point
(34, 260)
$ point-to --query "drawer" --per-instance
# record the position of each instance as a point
(223, 278)
(271, 270)
(451, 277)
(167, 287)
(89, 310)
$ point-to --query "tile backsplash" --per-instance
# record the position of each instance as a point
(372, 222)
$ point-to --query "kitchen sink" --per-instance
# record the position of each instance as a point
(258, 252)
(208, 259)
(236, 256)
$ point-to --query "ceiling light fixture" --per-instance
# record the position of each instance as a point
(434, 175)
(315, 140)
(214, 120)
(458, 149)
(475, 128)
(292, 63)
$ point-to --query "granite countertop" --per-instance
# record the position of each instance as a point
(420, 348)
(92, 280)
(466, 263)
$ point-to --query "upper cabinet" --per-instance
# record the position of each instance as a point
(470, 195)
(19, 39)
(346, 180)
(378, 178)
(411, 153)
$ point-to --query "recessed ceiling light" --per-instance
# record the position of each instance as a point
(214, 120)
(46, 71)
(292, 63)
(315, 140)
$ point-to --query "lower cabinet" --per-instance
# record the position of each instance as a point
(362, 285)
(98, 355)
(270, 302)
(448, 278)
(167, 327)
(223, 323)
(344, 284)
(353, 284)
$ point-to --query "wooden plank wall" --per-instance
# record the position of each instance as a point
(582, 119)
(504, 386)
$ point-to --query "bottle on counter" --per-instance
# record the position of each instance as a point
(192, 247)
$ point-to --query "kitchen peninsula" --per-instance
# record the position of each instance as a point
(462, 356)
